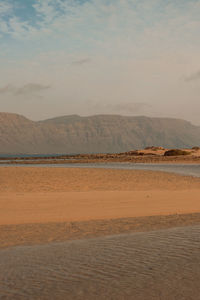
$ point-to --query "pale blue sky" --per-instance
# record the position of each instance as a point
(131, 57)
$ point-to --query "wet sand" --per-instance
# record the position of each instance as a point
(43, 209)
(43, 233)
(155, 265)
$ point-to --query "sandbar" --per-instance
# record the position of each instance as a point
(49, 204)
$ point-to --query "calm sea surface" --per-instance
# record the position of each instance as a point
(161, 264)
(184, 169)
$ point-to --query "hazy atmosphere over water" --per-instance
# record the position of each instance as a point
(131, 57)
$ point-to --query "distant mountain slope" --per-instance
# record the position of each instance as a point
(94, 134)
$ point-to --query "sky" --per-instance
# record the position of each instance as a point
(86, 57)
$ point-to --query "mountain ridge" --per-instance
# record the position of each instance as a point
(93, 134)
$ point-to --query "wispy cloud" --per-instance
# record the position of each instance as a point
(81, 61)
(130, 107)
(27, 89)
(126, 108)
(104, 20)
(193, 77)
(7, 89)
(31, 88)
(5, 8)
(116, 50)
(6, 11)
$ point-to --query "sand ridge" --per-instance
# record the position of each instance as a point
(43, 233)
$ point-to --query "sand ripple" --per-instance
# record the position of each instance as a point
(161, 264)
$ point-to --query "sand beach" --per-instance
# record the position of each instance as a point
(89, 233)
(38, 205)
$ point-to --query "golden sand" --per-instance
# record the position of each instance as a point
(39, 196)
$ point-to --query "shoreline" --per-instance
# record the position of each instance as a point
(45, 233)
(147, 155)
(128, 159)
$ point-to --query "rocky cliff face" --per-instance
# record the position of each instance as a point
(94, 134)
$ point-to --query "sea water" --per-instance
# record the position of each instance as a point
(183, 169)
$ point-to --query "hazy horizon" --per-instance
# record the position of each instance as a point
(89, 57)
(93, 115)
